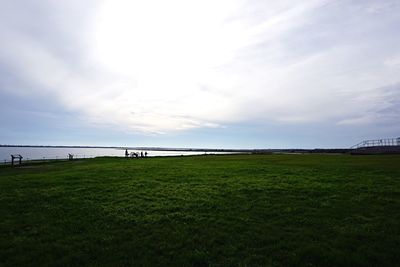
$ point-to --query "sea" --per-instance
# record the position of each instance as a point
(46, 153)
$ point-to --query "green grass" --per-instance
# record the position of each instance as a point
(233, 210)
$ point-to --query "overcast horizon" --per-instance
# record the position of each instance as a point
(215, 74)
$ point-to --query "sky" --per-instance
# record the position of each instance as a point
(215, 74)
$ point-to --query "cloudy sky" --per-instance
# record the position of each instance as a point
(226, 73)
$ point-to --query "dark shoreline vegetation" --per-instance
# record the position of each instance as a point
(238, 150)
(225, 210)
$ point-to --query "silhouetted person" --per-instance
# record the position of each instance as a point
(141, 154)
(145, 154)
(126, 153)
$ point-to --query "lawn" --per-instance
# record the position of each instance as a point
(231, 210)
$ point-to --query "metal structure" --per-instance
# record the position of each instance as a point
(378, 142)
(13, 157)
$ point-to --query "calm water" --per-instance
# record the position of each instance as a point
(62, 153)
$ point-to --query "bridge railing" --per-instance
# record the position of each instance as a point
(378, 142)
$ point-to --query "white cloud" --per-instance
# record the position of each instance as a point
(159, 66)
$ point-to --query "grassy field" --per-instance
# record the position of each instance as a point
(233, 210)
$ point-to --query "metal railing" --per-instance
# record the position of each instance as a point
(378, 142)
(41, 159)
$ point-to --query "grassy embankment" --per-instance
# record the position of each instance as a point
(235, 210)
